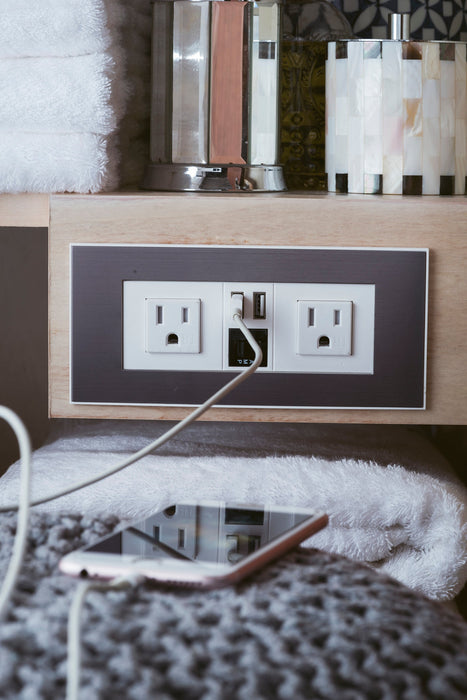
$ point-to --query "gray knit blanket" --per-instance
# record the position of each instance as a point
(312, 625)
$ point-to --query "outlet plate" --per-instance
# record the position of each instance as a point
(100, 272)
(137, 354)
(292, 299)
(153, 311)
(248, 290)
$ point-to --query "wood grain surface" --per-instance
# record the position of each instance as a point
(437, 223)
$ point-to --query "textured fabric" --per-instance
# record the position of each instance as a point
(67, 162)
(74, 80)
(64, 95)
(390, 495)
(313, 625)
(57, 28)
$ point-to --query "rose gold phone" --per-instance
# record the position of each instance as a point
(197, 544)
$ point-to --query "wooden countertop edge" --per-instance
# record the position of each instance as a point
(24, 210)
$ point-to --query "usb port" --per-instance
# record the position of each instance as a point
(259, 304)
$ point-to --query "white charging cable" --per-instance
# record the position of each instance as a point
(74, 626)
(19, 545)
(74, 618)
(22, 437)
(236, 315)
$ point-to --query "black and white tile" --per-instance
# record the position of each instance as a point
(430, 19)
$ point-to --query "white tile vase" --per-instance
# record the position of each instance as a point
(396, 117)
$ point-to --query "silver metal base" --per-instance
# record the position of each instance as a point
(214, 178)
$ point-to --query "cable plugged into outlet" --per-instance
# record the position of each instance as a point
(236, 351)
(367, 315)
(189, 326)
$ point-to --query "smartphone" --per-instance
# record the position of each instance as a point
(206, 545)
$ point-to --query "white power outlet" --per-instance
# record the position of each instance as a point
(173, 325)
(146, 344)
(187, 326)
(297, 345)
(324, 327)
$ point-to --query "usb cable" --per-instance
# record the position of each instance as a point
(25, 503)
(215, 398)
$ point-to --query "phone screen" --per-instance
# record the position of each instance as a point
(214, 533)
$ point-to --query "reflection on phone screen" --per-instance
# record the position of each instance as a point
(201, 533)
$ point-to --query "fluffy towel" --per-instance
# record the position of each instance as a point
(68, 73)
(57, 27)
(391, 497)
(78, 94)
(62, 162)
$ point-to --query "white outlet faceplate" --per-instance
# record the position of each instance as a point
(296, 351)
(293, 343)
(138, 354)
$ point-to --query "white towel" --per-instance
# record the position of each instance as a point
(73, 113)
(392, 500)
(57, 27)
(78, 94)
(57, 163)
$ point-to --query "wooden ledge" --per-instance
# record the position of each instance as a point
(25, 210)
(32, 210)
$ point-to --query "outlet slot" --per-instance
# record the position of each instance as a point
(259, 305)
(324, 342)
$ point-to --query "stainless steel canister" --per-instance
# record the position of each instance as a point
(215, 96)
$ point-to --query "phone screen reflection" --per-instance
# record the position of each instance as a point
(201, 533)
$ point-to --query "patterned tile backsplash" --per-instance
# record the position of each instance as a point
(430, 19)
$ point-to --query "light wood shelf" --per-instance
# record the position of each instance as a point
(25, 210)
(437, 223)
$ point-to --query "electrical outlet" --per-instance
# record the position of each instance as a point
(173, 325)
(166, 328)
(153, 312)
(258, 314)
(324, 327)
(381, 294)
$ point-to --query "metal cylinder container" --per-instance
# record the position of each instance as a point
(215, 96)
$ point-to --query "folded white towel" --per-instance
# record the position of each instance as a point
(405, 515)
(73, 94)
(57, 27)
(71, 73)
(57, 163)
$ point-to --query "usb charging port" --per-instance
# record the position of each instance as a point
(259, 304)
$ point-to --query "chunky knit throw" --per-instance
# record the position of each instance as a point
(312, 625)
